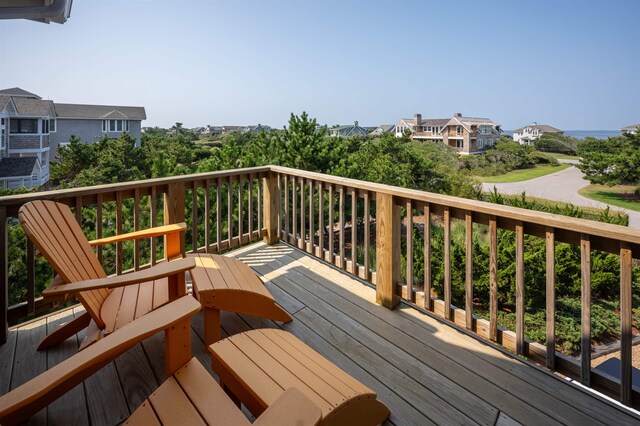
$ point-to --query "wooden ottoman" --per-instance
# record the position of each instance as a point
(225, 283)
(258, 366)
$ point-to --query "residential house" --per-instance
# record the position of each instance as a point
(633, 129)
(527, 134)
(252, 128)
(383, 128)
(92, 122)
(24, 138)
(468, 135)
(31, 127)
(350, 130)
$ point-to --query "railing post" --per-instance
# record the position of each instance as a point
(174, 207)
(4, 275)
(387, 250)
(271, 195)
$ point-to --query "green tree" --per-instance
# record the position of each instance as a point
(612, 161)
(72, 159)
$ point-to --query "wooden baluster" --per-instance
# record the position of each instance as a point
(31, 277)
(493, 279)
(409, 272)
(99, 225)
(447, 263)
(294, 195)
(312, 213)
(427, 257)
(136, 227)
(240, 209)
(79, 210)
(286, 207)
(626, 322)
(342, 260)
(321, 227)
(230, 211)
(271, 195)
(194, 217)
(551, 297)
(218, 215)
(260, 212)
(250, 209)
(520, 288)
(367, 237)
(4, 275)
(302, 241)
(207, 216)
(119, 259)
(585, 304)
(174, 210)
(331, 233)
(354, 232)
(468, 299)
(387, 250)
(153, 223)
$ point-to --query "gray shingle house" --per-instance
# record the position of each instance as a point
(33, 128)
(350, 130)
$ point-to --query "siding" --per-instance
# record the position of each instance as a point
(88, 131)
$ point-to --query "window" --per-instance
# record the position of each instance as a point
(480, 143)
(52, 125)
(45, 126)
(115, 126)
(459, 130)
(23, 125)
(459, 144)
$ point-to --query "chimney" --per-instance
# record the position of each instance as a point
(457, 114)
(355, 123)
(534, 123)
(417, 118)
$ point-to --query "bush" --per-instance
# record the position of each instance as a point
(557, 143)
(538, 157)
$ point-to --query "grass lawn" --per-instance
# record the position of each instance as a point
(620, 195)
(524, 174)
(561, 156)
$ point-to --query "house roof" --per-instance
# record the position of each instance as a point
(542, 127)
(632, 127)
(32, 107)
(4, 100)
(385, 127)
(100, 112)
(16, 91)
(17, 166)
(427, 121)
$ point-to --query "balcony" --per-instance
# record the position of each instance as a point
(338, 271)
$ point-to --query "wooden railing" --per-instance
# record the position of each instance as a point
(363, 228)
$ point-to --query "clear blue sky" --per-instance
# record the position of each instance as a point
(574, 64)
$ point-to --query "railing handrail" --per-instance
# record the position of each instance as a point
(9, 200)
(585, 226)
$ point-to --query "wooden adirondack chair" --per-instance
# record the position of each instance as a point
(110, 302)
(189, 396)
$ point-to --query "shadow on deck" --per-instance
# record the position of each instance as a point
(425, 371)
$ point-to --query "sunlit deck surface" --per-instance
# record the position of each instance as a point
(425, 371)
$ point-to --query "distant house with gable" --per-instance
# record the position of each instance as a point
(32, 128)
(382, 129)
(527, 134)
(346, 131)
(633, 129)
(467, 135)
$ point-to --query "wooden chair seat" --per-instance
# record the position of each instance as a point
(258, 365)
(227, 284)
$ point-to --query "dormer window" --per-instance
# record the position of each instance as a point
(459, 130)
(115, 126)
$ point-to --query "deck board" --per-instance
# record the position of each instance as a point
(426, 371)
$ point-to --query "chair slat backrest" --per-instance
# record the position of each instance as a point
(54, 230)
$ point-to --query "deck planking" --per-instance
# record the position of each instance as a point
(424, 370)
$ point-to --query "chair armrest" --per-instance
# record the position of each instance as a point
(161, 270)
(144, 233)
(292, 408)
(26, 400)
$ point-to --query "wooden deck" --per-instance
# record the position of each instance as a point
(425, 371)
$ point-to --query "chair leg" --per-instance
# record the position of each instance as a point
(231, 395)
(65, 331)
(212, 326)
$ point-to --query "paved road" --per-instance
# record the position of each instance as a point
(561, 186)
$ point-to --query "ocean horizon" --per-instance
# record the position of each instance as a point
(582, 134)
